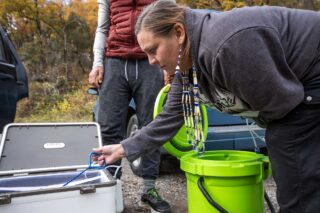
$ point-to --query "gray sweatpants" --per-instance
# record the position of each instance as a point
(124, 80)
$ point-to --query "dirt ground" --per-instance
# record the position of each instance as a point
(172, 187)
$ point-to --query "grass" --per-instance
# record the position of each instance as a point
(48, 104)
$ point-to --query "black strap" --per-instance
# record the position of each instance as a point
(266, 197)
(209, 199)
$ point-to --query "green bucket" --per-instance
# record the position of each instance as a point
(225, 181)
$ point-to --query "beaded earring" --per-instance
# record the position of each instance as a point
(191, 108)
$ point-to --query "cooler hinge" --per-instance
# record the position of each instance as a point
(20, 174)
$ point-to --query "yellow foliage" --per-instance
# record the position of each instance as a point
(62, 106)
(240, 4)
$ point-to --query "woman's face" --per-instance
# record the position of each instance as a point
(162, 51)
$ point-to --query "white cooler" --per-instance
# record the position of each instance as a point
(38, 159)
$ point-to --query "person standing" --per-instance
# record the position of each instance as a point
(122, 72)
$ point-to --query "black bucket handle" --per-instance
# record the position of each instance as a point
(209, 199)
(221, 209)
(266, 197)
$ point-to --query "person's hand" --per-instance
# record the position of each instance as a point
(96, 76)
(109, 153)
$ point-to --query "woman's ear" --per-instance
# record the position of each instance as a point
(180, 33)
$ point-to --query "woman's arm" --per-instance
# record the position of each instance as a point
(161, 129)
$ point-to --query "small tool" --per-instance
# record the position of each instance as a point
(91, 165)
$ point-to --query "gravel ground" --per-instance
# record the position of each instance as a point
(172, 187)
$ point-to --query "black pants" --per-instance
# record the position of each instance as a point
(123, 80)
(294, 148)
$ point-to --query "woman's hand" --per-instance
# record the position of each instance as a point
(110, 153)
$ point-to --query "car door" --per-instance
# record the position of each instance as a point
(13, 81)
(10, 56)
(8, 87)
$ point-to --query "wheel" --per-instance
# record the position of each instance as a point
(132, 128)
(168, 163)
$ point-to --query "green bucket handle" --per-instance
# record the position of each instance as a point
(267, 170)
(209, 199)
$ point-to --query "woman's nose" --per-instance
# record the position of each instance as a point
(152, 59)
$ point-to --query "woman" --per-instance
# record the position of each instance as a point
(260, 62)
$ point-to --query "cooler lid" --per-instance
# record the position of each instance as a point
(43, 147)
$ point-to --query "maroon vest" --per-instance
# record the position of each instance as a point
(121, 41)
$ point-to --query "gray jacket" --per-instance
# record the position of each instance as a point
(249, 60)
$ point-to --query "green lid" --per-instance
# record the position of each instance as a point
(226, 163)
(178, 145)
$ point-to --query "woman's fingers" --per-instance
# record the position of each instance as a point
(109, 153)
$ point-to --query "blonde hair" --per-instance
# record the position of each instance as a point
(160, 18)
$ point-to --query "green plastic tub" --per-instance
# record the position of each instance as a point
(225, 181)
(178, 145)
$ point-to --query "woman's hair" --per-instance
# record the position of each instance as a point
(160, 17)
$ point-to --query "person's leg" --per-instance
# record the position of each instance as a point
(293, 146)
(149, 81)
(114, 98)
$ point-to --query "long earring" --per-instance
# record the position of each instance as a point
(198, 127)
(191, 108)
(184, 98)
(186, 102)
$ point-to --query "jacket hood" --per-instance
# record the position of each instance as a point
(194, 22)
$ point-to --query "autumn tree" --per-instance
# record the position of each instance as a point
(51, 35)
(54, 39)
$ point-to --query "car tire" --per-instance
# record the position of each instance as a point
(132, 128)
(168, 163)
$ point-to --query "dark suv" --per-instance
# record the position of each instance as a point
(13, 80)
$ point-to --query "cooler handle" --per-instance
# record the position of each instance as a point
(209, 199)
